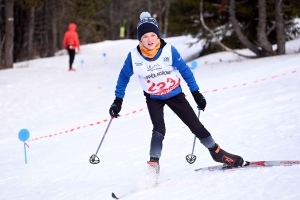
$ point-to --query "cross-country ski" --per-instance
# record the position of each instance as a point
(251, 164)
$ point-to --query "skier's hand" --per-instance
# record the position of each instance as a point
(115, 108)
(200, 100)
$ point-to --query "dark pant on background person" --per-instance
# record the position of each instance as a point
(71, 53)
(181, 107)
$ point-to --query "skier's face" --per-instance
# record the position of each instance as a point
(149, 40)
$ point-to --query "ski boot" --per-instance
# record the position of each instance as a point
(219, 155)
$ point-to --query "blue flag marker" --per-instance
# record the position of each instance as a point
(82, 63)
(194, 64)
(23, 136)
(104, 56)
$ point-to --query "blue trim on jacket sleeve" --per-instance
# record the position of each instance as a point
(184, 70)
(124, 77)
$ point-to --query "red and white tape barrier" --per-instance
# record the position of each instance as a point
(142, 109)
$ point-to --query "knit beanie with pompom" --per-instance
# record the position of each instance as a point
(147, 24)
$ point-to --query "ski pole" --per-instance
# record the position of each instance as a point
(94, 158)
(192, 158)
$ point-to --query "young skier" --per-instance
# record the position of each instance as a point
(71, 42)
(156, 63)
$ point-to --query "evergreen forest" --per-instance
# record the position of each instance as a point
(34, 28)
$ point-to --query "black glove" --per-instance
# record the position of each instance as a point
(200, 100)
(115, 108)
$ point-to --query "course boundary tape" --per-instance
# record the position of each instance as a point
(142, 109)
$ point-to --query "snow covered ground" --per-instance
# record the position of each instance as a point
(253, 110)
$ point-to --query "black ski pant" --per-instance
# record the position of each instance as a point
(181, 107)
(71, 53)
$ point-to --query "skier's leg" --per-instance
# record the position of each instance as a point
(156, 112)
(156, 144)
(184, 111)
(208, 142)
(72, 56)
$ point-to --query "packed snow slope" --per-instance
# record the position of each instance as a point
(253, 110)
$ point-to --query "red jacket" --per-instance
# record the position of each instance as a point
(71, 38)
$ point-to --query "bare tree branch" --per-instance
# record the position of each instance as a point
(252, 47)
(271, 29)
(214, 35)
(261, 28)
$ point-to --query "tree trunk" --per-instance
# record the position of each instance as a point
(280, 33)
(43, 31)
(1, 39)
(166, 18)
(53, 41)
(9, 34)
(127, 30)
(241, 36)
(30, 33)
(1, 47)
(149, 6)
(111, 19)
(60, 16)
(208, 44)
(159, 15)
(261, 29)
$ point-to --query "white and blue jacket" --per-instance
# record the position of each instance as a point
(158, 76)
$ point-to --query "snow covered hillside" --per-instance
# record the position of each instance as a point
(253, 110)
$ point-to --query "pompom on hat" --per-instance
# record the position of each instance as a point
(147, 24)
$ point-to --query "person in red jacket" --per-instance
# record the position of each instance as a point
(71, 42)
